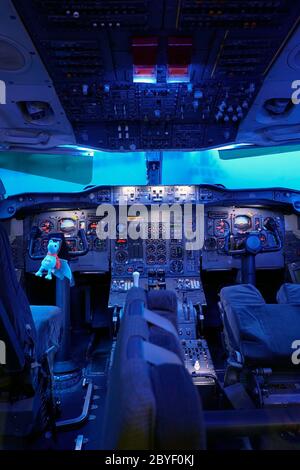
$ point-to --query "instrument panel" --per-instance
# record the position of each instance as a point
(224, 222)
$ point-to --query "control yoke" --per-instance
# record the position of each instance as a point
(251, 246)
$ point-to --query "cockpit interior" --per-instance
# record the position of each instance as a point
(149, 225)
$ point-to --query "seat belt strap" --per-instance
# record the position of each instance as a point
(158, 356)
(161, 322)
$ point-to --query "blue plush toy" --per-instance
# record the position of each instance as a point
(52, 264)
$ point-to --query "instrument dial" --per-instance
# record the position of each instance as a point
(161, 259)
(151, 259)
(67, 225)
(242, 223)
(150, 249)
(121, 256)
(222, 228)
(176, 266)
(46, 226)
(161, 248)
(119, 269)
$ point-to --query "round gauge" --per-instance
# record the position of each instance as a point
(46, 226)
(161, 248)
(150, 249)
(210, 244)
(176, 266)
(67, 225)
(221, 228)
(151, 259)
(119, 269)
(176, 252)
(161, 259)
(243, 223)
(121, 256)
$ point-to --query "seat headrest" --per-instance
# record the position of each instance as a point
(164, 300)
(288, 294)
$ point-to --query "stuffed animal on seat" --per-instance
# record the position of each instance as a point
(52, 264)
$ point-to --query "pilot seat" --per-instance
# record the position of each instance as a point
(31, 335)
(259, 338)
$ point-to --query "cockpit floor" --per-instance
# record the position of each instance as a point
(95, 370)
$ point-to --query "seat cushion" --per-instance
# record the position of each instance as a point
(289, 294)
(241, 294)
(135, 293)
(163, 300)
(130, 405)
(48, 323)
(263, 334)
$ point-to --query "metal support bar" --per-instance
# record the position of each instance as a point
(72, 422)
(63, 301)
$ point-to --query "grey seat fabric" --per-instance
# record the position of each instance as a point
(163, 302)
(148, 406)
(26, 391)
(48, 324)
(289, 294)
(19, 312)
(262, 333)
(130, 404)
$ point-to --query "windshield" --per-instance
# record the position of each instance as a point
(71, 172)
